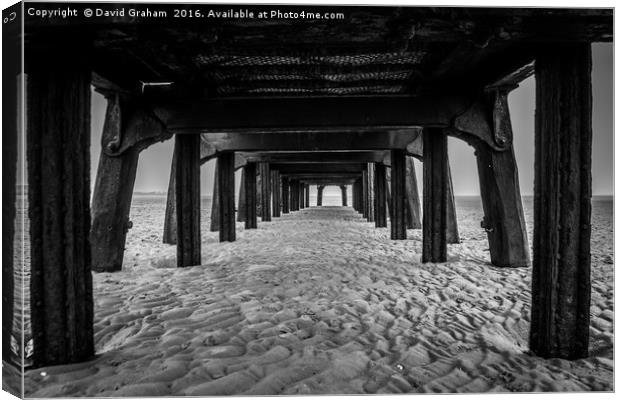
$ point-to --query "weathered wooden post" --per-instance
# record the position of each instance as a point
(249, 191)
(307, 195)
(241, 202)
(275, 184)
(562, 191)
(319, 195)
(500, 193)
(371, 192)
(294, 195)
(170, 216)
(112, 194)
(343, 192)
(413, 198)
(302, 197)
(398, 223)
(286, 196)
(452, 229)
(380, 196)
(365, 205)
(265, 191)
(188, 199)
(434, 222)
(215, 199)
(58, 141)
(226, 182)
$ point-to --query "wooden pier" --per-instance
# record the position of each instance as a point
(294, 105)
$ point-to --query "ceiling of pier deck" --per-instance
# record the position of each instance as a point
(372, 51)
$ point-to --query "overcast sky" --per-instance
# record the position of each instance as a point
(154, 164)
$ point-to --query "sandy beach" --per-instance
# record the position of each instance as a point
(319, 301)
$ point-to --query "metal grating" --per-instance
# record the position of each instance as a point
(223, 76)
(376, 89)
(405, 58)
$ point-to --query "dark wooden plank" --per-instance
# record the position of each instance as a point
(452, 229)
(265, 190)
(170, 217)
(370, 185)
(413, 198)
(398, 223)
(188, 200)
(343, 194)
(226, 183)
(503, 212)
(214, 226)
(286, 196)
(319, 195)
(112, 196)
(365, 194)
(275, 186)
(58, 142)
(249, 170)
(306, 195)
(380, 196)
(434, 222)
(562, 191)
(241, 202)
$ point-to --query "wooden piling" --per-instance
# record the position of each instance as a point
(58, 143)
(319, 195)
(562, 191)
(112, 197)
(434, 222)
(452, 229)
(370, 184)
(503, 212)
(307, 195)
(241, 202)
(170, 217)
(188, 199)
(275, 185)
(249, 170)
(398, 223)
(380, 196)
(265, 191)
(413, 197)
(365, 193)
(226, 182)
(286, 196)
(343, 194)
(215, 199)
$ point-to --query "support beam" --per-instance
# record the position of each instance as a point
(562, 191)
(249, 170)
(215, 199)
(286, 195)
(452, 229)
(265, 191)
(294, 194)
(225, 168)
(434, 223)
(241, 202)
(307, 195)
(319, 195)
(343, 193)
(370, 175)
(275, 185)
(365, 194)
(413, 197)
(380, 196)
(398, 224)
(188, 200)
(170, 217)
(112, 197)
(503, 212)
(58, 142)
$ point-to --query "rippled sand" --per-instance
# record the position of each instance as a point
(319, 301)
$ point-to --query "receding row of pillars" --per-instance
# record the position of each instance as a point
(58, 140)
